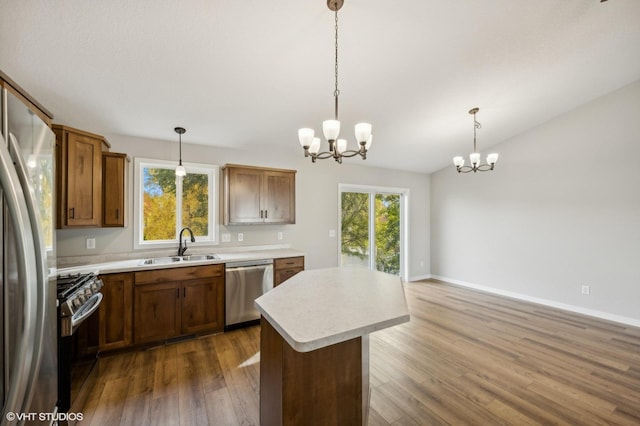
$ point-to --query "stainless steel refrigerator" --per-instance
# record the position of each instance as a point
(28, 314)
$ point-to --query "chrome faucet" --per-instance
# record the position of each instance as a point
(181, 248)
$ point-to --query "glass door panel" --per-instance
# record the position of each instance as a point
(387, 233)
(371, 230)
(355, 229)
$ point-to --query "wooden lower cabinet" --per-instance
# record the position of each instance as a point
(285, 268)
(180, 301)
(157, 312)
(116, 311)
(202, 305)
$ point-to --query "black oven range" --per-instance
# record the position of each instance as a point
(79, 297)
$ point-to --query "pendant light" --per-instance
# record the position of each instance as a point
(331, 128)
(180, 170)
(474, 157)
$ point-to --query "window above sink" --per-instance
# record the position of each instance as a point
(164, 204)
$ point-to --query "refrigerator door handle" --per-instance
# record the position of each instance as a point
(41, 264)
(25, 255)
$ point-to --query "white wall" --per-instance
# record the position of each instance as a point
(316, 202)
(561, 210)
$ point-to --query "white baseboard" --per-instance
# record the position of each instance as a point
(420, 277)
(572, 308)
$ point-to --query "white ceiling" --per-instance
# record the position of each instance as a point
(248, 73)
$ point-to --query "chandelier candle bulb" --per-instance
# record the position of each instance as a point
(492, 158)
(363, 131)
(306, 137)
(315, 146)
(342, 145)
(474, 158)
(331, 129)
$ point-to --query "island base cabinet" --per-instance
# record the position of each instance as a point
(320, 387)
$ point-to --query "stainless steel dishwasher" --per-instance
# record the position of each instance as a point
(244, 283)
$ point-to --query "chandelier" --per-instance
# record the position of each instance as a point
(331, 128)
(474, 157)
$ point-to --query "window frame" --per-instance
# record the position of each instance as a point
(213, 172)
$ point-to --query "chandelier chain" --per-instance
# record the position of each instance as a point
(336, 92)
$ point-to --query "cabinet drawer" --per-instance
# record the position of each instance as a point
(289, 263)
(178, 274)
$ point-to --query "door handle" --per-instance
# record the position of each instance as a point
(40, 258)
(23, 362)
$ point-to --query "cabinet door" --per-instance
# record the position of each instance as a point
(116, 311)
(243, 192)
(278, 192)
(203, 305)
(84, 180)
(286, 268)
(157, 313)
(113, 189)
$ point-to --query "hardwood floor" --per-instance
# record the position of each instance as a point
(464, 358)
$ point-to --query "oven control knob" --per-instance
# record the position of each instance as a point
(77, 302)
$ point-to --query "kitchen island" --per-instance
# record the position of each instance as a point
(314, 344)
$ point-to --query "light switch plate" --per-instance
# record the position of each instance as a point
(226, 237)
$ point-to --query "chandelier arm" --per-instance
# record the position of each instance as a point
(350, 153)
(324, 155)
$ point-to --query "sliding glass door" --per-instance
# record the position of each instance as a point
(372, 227)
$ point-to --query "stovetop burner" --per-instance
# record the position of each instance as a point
(68, 284)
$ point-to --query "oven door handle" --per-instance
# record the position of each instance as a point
(87, 309)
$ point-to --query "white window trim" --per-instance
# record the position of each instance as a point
(404, 220)
(212, 170)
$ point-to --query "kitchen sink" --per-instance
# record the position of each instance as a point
(174, 259)
(161, 260)
(194, 257)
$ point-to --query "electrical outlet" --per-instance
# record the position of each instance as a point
(91, 243)
(279, 235)
(586, 289)
(332, 233)
(240, 236)
(226, 237)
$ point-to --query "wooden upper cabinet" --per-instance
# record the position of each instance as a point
(257, 195)
(79, 177)
(114, 167)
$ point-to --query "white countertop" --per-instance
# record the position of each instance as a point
(321, 307)
(137, 264)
